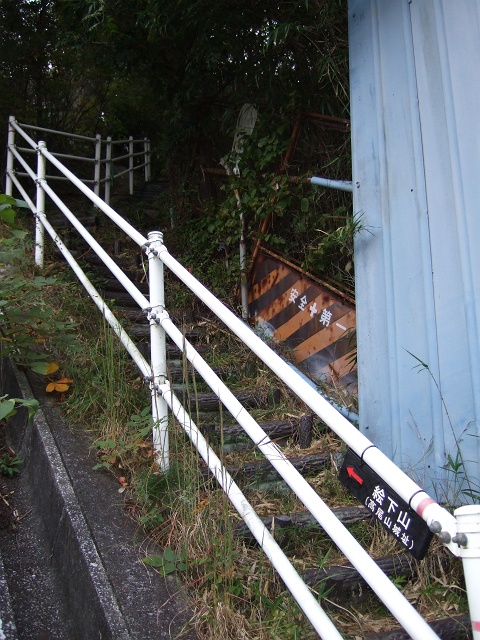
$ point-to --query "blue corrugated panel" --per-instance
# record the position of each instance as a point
(415, 93)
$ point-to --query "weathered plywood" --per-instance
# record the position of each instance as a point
(315, 323)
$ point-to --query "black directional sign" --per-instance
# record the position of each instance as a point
(393, 513)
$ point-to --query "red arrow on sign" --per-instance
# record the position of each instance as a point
(352, 474)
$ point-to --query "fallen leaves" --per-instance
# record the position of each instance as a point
(45, 368)
(60, 386)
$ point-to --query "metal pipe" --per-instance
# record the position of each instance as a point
(243, 264)
(116, 158)
(242, 251)
(29, 171)
(55, 178)
(135, 168)
(113, 215)
(468, 539)
(125, 339)
(406, 488)
(158, 350)
(10, 146)
(27, 149)
(341, 185)
(60, 133)
(98, 159)
(121, 173)
(126, 141)
(302, 594)
(136, 294)
(108, 169)
(26, 137)
(23, 193)
(40, 207)
(360, 559)
(128, 155)
(146, 147)
(351, 416)
(70, 157)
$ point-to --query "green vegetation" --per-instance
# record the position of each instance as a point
(9, 406)
(179, 74)
(235, 591)
(314, 228)
(30, 333)
(460, 488)
(10, 465)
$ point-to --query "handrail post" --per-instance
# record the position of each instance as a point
(98, 161)
(108, 169)
(468, 539)
(130, 165)
(243, 266)
(10, 158)
(157, 350)
(40, 206)
(146, 146)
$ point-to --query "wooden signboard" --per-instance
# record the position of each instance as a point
(310, 318)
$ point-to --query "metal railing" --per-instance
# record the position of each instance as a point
(101, 153)
(459, 532)
(340, 185)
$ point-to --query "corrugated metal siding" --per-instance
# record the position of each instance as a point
(415, 93)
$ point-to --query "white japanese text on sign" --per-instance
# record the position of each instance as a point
(385, 509)
(325, 316)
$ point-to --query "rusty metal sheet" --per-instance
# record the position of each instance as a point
(308, 318)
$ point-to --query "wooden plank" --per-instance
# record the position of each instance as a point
(315, 323)
(283, 524)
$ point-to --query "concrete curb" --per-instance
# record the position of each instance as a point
(109, 593)
(8, 630)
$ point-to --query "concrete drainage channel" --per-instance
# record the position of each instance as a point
(70, 567)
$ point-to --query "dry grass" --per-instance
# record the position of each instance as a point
(234, 590)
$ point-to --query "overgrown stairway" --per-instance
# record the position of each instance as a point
(312, 449)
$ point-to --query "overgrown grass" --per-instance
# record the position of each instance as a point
(234, 590)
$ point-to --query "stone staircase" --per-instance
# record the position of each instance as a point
(342, 582)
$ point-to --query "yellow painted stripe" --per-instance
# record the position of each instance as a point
(325, 337)
(268, 282)
(282, 302)
(322, 301)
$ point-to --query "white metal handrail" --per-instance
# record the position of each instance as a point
(450, 529)
(76, 136)
(99, 159)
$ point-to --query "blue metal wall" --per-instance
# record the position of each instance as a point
(415, 105)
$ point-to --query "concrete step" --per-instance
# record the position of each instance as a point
(284, 524)
(258, 473)
(208, 401)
